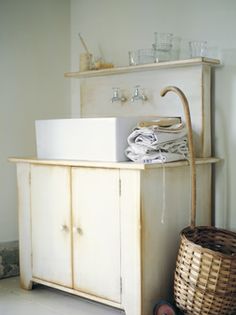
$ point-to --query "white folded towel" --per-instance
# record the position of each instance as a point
(157, 144)
(153, 136)
(153, 157)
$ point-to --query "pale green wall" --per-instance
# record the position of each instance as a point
(35, 38)
(113, 27)
(34, 54)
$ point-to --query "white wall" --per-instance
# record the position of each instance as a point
(112, 28)
(34, 54)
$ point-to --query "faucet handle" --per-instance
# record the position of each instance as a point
(116, 95)
(136, 90)
(115, 91)
(138, 95)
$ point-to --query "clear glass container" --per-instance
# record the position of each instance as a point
(163, 46)
(163, 41)
(142, 56)
(197, 48)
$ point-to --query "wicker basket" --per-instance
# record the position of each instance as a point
(205, 275)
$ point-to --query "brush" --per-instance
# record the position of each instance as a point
(83, 43)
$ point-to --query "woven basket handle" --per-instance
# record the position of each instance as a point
(190, 145)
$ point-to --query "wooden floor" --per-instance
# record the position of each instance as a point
(46, 301)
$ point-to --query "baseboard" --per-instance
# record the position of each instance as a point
(9, 259)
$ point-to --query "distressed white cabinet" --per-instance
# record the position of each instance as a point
(106, 231)
(69, 238)
(109, 232)
(51, 220)
(96, 227)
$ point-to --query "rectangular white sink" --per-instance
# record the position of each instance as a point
(90, 139)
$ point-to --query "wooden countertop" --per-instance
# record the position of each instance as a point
(120, 165)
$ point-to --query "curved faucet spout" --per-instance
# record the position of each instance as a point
(184, 102)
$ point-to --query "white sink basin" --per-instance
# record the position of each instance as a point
(91, 139)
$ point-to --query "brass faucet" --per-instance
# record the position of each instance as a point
(184, 102)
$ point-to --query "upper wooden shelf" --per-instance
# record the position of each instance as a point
(145, 67)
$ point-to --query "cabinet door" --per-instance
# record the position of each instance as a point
(51, 219)
(96, 224)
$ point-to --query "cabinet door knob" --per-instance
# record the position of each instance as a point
(64, 227)
(78, 230)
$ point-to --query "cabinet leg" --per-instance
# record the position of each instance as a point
(26, 284)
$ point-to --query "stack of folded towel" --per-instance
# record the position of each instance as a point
(158, 144)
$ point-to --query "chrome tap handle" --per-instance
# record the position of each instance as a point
(116, 96)
(136, 91)
(138, 95)
(115, 92)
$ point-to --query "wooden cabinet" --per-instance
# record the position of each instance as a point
(51, 224)
(109, 232)
(96, 227)
(106, 231)
(75, 216)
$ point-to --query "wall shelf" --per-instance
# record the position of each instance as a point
(146, 67)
